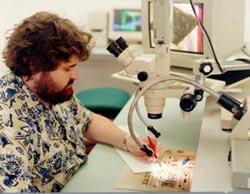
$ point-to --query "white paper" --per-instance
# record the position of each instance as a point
(136, 164)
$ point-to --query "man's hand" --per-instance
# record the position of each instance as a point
(150, 142)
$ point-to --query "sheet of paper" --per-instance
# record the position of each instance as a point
(175, 174)
(136, 164)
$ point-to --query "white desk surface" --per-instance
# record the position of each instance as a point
(104, 167)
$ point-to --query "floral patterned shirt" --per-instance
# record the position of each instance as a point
(40, 148)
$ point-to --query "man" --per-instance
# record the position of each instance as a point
(43, 127)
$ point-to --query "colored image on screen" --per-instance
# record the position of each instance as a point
(127, 20)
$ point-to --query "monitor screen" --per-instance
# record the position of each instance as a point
(127, 20)
(187, 34)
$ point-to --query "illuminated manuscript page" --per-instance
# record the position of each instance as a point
(175, 174)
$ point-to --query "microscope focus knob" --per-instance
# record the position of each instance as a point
(198, 93)
(188, 102)
(142, 76)
(206, 68)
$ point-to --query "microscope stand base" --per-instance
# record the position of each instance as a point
(240, 163)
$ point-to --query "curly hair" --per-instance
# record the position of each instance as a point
(43, 40)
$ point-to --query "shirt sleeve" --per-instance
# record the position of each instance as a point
(14, 162)
(84, 115)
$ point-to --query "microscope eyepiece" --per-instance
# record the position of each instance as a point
(122, 43)
(117, 47)
(114, 49)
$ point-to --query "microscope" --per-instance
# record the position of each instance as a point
(156, 82)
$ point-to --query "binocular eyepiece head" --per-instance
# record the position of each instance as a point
(117, 47)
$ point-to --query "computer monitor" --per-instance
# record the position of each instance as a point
(125, 22)
(223, 19)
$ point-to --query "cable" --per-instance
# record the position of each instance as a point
(140, 114)
(245, 52)
(207, 36)
(243, 60)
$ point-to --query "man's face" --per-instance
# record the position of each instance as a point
(57, 86)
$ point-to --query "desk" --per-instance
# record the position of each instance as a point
(104, 167)
(212, 171)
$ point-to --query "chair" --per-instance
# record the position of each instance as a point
(107, 101)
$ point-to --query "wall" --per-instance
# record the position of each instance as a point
(12, 11)
(247, 22)
(96, 72)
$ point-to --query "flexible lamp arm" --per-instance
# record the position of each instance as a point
(226, 101)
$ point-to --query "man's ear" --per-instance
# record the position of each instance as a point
(31, 69)
(31, 66)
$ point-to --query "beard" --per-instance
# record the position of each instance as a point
(47, 90)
